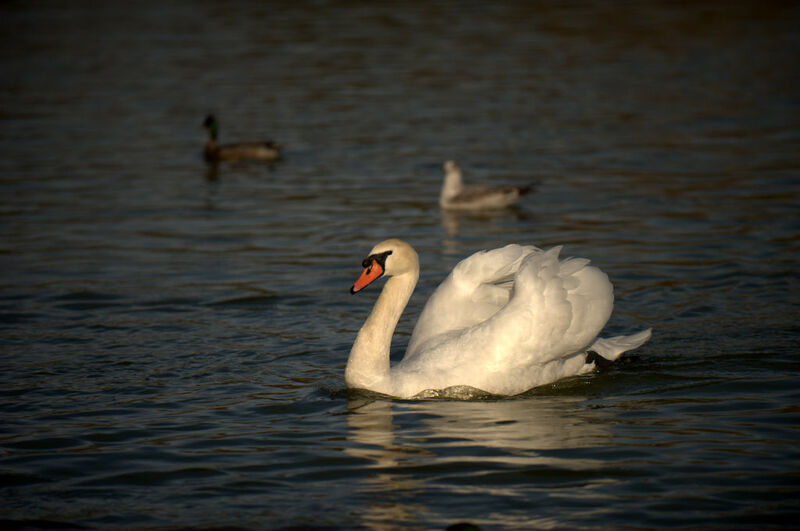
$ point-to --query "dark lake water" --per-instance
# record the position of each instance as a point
(173, 339)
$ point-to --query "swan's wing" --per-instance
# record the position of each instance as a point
(554, 311)
(557, 309)
(474, 291)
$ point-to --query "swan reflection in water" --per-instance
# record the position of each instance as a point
(412, 445)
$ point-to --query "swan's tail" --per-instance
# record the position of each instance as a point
(612, 348)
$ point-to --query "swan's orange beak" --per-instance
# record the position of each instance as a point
(371, 273)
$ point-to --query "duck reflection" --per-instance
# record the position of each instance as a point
(410, 443)
(212, 173)
(212, 186)
(213, 177)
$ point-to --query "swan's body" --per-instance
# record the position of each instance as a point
(454, 195)
(504, 321)
(267, 150)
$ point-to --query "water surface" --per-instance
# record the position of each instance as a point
(173, 337)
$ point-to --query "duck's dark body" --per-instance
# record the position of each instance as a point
(267, 150)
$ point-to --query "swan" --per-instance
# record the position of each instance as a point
(454, 195)
(267, 150)
(502, 322)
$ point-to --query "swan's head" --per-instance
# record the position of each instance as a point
(391, 258)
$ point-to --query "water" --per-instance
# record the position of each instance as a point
(174, 338)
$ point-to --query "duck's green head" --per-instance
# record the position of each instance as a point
(210, 123)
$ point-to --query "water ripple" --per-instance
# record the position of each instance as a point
(173, 336)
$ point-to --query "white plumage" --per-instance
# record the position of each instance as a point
(504, 321)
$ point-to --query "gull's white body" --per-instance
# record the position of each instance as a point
(504, 321)
(456, 196)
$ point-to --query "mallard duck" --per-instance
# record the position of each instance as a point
(456, 196)
(266, 151)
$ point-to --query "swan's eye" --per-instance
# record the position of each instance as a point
(378, 258)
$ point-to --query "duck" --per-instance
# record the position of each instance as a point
(502, 322)
(267, 150)
(455, 196)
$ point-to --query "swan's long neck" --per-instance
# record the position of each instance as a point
(368, 365)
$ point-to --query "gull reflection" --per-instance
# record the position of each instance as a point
(454, 221)
(410, 443)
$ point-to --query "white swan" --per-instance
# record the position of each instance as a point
(454, 195)
(504, 321)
